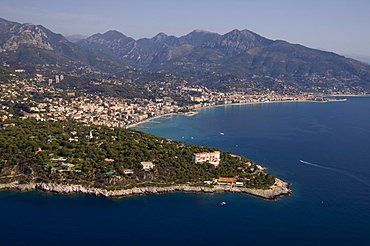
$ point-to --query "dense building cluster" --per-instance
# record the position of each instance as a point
(32, 100)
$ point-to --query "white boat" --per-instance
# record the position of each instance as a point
(223, 203)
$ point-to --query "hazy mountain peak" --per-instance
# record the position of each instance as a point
(113, 34)
(197, 37)
(241, 33)
(237, 41)
(160, 37)
(74, 38)
(111, 37)
(201, 30)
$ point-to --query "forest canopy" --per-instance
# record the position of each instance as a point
(106, 157)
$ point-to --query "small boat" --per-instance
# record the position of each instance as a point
(223, 203)
(221, 133)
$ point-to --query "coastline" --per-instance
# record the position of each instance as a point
(147, 120)
(280, 188)
(347, 95)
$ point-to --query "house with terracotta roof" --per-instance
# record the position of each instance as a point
(147, 165)
(227, 180)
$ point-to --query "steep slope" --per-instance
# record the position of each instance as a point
(239, 60)
(144, 52)
(278, 66)
(37, 46)
(112, 43)
(236, 42)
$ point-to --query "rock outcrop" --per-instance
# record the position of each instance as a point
(280, 188)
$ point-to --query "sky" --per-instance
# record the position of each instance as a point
(340, 26)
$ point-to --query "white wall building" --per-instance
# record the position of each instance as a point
(212, 157)
(147, 165)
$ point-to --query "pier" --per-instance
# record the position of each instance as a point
(189, 114)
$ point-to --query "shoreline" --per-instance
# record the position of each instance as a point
(347, 95)
(280, 188)
(147, 120)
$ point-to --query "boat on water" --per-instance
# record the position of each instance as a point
(221, 133)
(223, 203)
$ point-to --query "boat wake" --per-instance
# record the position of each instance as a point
(219, 134)
(346, 173)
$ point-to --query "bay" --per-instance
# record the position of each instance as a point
(330, 204)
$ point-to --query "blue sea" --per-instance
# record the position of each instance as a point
(322, 149)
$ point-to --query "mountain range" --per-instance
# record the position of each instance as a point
(238, 60)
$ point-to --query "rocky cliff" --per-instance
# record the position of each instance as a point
(280, 188)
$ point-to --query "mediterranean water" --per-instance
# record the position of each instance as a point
(322, 149)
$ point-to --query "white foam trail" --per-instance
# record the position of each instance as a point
(336, 170)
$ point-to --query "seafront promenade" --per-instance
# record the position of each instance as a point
(148, 120)
(195, 110)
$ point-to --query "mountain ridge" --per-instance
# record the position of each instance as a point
(35, 47)
(239, 59)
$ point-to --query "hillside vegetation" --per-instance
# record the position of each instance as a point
(98, 156)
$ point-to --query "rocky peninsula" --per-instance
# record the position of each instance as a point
(67, 157)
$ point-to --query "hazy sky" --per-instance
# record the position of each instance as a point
(341, 26)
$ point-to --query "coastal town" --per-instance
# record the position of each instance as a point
(50, 103)
(93, 156)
